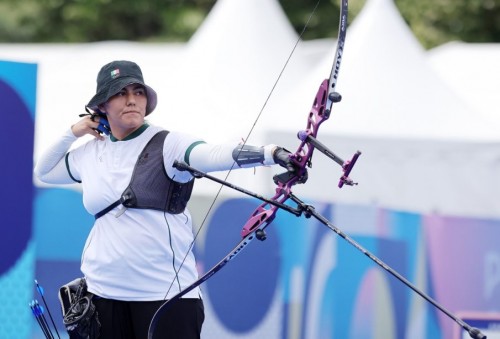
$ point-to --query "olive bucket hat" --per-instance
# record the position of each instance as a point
(115, 76)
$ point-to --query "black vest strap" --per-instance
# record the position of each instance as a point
(150, 187)
(107, 209)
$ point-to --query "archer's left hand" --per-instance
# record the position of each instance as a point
(282, 157)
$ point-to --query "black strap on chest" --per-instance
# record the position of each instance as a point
(150, 186)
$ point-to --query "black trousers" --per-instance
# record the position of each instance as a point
(130, 319)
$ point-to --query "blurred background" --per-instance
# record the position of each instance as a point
(170, 21)
(419, 81)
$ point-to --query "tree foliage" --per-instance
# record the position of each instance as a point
(437, 21)
(433, 21)
(98, 20)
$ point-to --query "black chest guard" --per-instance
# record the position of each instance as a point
(150, 186)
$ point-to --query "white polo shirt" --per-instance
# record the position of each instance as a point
(136, 255)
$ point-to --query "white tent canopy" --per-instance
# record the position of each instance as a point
(390, 89)
(472, 71)
(231, 65)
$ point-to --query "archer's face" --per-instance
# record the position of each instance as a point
(126, 110)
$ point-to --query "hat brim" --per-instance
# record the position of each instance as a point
(116, 86)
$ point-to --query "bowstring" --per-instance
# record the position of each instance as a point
(212, 204)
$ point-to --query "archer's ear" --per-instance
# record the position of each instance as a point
(102, 108)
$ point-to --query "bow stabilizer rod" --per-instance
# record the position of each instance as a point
(182, 166)
(309, 211)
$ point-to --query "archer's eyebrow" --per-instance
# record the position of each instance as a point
(134, 87)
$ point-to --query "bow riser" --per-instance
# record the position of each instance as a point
(315, 118)
(302, 157)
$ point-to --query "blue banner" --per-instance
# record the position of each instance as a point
(18, 98)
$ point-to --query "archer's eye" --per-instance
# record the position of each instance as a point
(140, 91)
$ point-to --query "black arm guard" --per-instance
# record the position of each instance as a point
(247, 155)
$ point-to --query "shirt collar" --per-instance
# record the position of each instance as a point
(132, 135)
